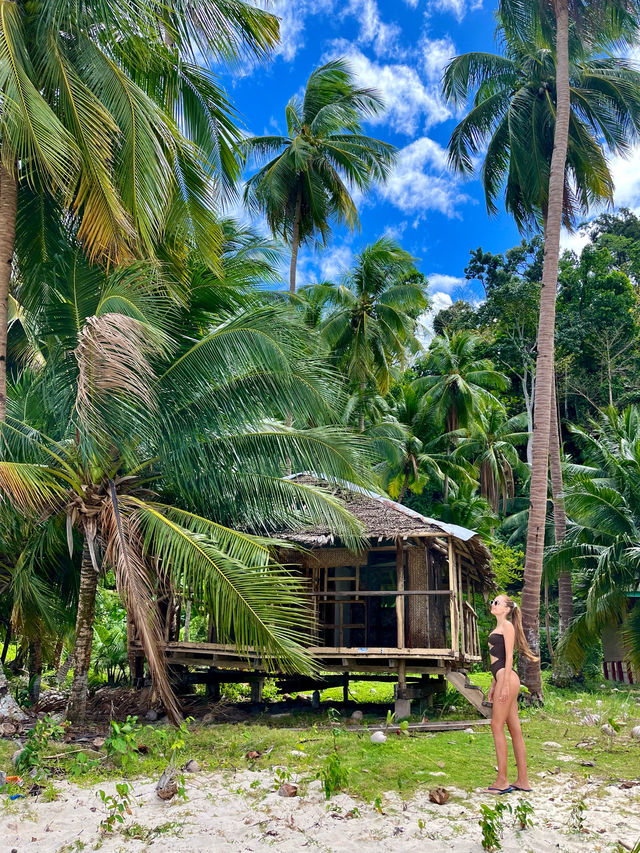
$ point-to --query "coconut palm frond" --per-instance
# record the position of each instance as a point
(34, 488)
(125, 553)
(260, 608)
(113, 361)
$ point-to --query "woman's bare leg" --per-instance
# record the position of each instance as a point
(517, 741)
(498, 720)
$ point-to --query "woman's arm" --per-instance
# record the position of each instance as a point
(509, 637)
(491, 690)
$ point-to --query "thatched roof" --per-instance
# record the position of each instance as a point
(384, 519)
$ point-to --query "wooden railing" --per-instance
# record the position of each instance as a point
(471, 636)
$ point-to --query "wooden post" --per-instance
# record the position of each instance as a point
(453, 610)
(187, 620)
(402, 679)
(400, 588)
(257, 687)
(461, 610)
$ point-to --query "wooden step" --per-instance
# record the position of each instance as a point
(460, 680)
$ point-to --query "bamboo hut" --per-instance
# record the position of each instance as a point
(403, 608)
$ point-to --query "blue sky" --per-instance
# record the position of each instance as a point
(399, 47)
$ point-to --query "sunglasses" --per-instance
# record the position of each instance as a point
(495, 601)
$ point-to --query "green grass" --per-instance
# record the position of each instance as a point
(404, 763)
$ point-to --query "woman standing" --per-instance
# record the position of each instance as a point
(504, 690)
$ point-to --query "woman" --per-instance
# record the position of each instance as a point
(504, 692)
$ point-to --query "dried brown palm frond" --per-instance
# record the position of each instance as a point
(113, 355)
(31, 487)
(124, 552)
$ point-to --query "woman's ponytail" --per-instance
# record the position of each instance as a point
(520, 640)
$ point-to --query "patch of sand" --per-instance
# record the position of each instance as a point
(241, 812)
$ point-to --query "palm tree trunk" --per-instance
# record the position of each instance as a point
(77, 706)
(547, 623)
(63, 671)
(363, 389)
(57, 654)
(35, 669)
(8, 210)
(295, 243)
(565, 592)
(7, 642)
(530, 672)
(403, 490)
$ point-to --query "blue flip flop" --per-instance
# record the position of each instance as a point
(518, 788)
(493, 790)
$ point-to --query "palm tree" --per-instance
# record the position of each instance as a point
(105, 111)
(155, 446)
(308, 182)
(458, 382)
(603, 537)
(420, 459)
(490, 443)
(613, 115)
(372, 316)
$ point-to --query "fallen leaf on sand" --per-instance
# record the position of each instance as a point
(167, 786)
(288, 790)
(439, 796)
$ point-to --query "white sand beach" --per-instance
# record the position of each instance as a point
(241, 811)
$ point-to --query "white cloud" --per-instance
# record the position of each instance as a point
(294, 14)
(421, 181)
(396, 231)
(435, 55)
(573, 242)
(458, 8)
(626, 177)
(384, 38)
(424, 332)
(412, 103)
(334, 262)
(445, 283)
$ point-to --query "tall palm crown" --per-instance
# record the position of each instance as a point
(420, 456)
(107, 114)
(513, 116)
(491, 443)
(371, 318)
(308, 182)
(105, 107)
(457, 379)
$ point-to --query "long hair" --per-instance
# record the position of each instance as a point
(521, 643)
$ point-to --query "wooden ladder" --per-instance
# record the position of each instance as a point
(459, 679)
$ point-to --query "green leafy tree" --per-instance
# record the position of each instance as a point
(105, 112)
(530, 196)
(491, 444)
(598, 331)
(371, 320)
(307, 183)
(153, 434)
(603, 536)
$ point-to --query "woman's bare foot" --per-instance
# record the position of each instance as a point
(500, 786)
